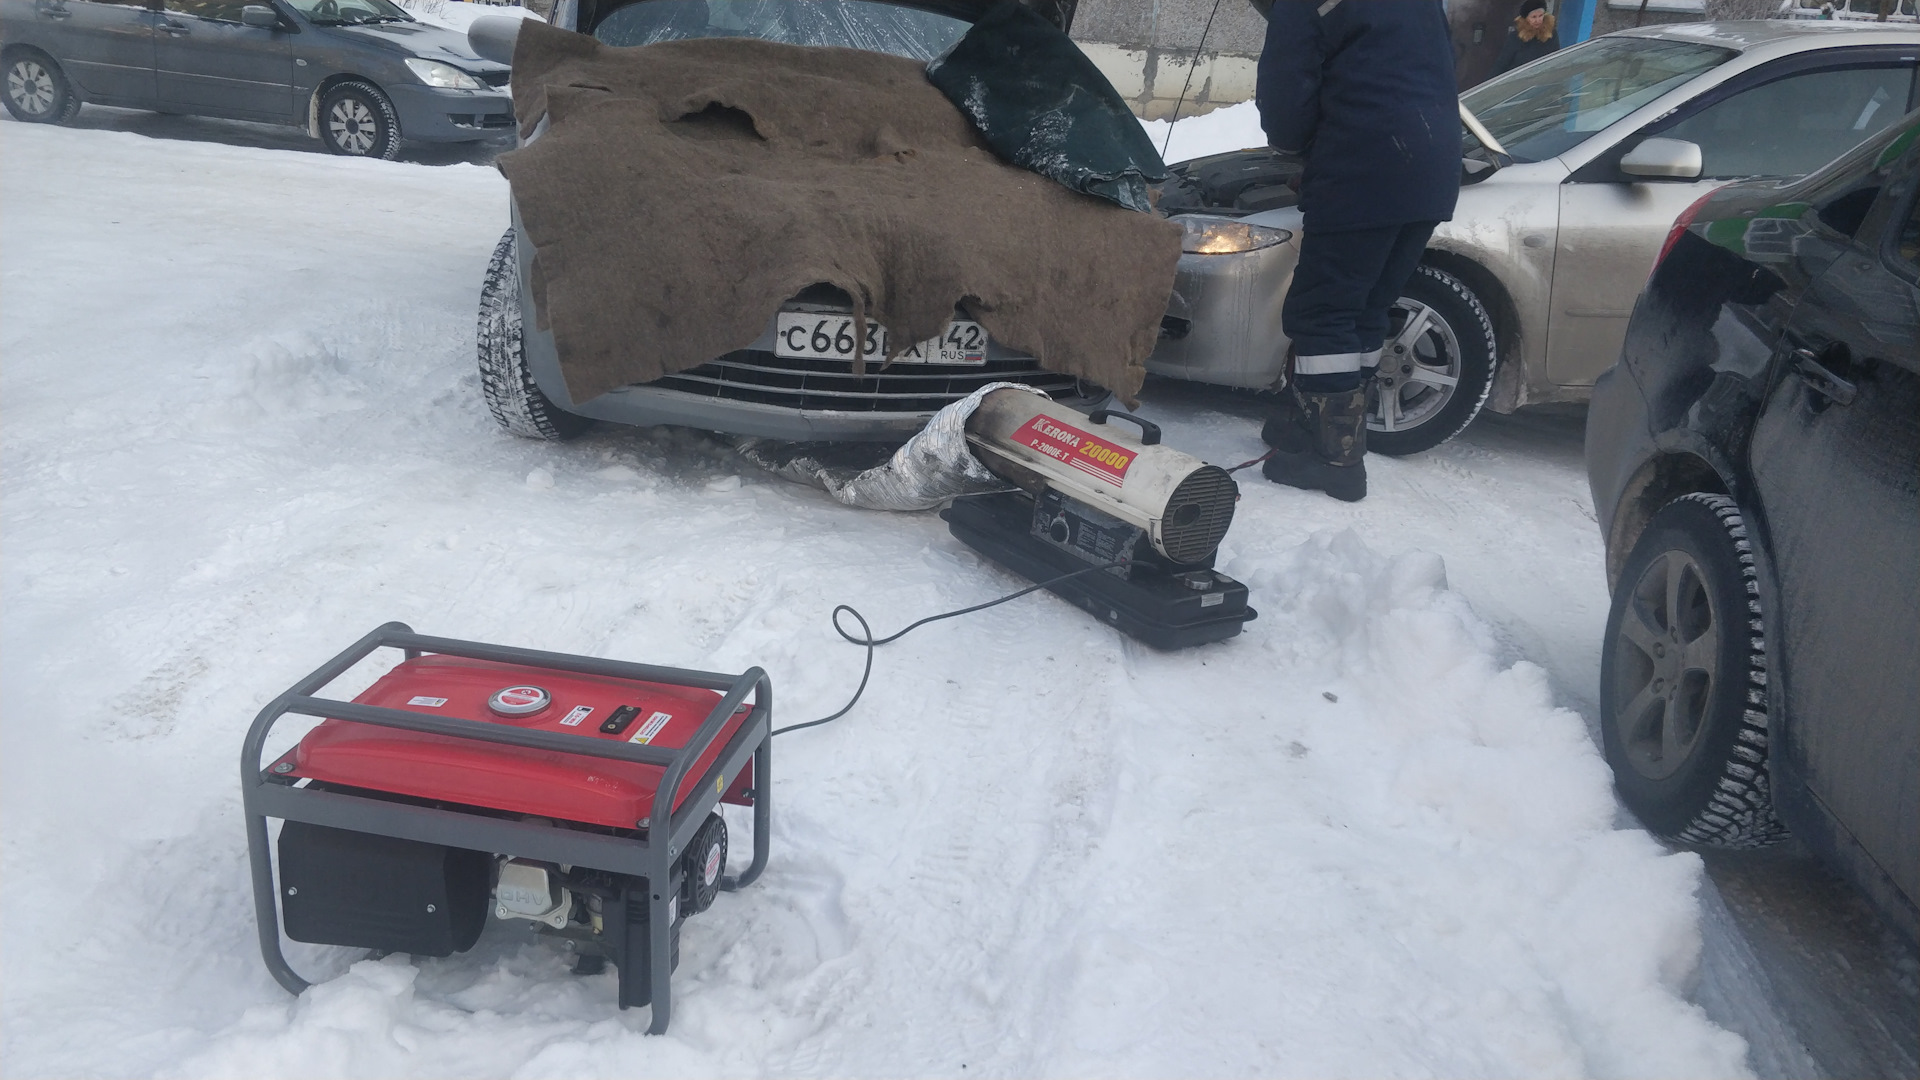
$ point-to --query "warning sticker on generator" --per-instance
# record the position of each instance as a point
(1071, 446)
(430, 702)
(651, 728)
(579, 713)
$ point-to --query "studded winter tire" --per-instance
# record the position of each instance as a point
(511, 394)
(1683, 680)
(37, 90)
(1436, 366)
(357, 120)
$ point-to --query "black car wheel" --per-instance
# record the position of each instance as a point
(1683, 680)
(37, 90)
(1436, 366)
(511, 394)
(357, 120)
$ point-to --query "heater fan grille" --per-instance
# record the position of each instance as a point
(1198, 514)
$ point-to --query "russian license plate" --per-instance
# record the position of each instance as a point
(808, 335)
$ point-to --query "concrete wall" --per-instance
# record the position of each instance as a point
(1146, 48)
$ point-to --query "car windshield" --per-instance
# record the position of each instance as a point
(853, 24)
(349, 12)
(1548, 108)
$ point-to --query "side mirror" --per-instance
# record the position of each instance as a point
(491, 37)
(261, 16)
(1666, 159)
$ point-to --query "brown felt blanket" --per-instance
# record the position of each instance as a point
(684, 190)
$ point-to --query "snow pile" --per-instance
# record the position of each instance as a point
(239, 427)
(1232, 127)
(459, 14)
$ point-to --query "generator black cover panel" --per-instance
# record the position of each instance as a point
(339, 887)
(1042, 105)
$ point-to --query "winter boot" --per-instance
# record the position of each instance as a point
(1288, 429)
(1321, 444)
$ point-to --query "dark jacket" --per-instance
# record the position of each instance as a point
(1523, 46)
(1363, 89)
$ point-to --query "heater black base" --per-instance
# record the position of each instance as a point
(1167, 609)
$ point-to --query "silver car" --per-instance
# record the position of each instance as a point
(1523, 297)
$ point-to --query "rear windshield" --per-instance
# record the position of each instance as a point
(1547, 108)
(853, 24)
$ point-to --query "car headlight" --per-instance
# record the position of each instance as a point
(1225, 236)
(444, 76)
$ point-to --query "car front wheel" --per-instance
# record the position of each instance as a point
(357, 120)
(1436, 365)
(37, 90)
(1683, 680)
(511, 394)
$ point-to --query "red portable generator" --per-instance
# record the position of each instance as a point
(472, 780)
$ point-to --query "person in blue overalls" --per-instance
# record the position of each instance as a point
(1362, 91)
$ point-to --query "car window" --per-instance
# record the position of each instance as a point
(346, 12)
(1903, 245)
(854, 24)
(1545, 109)
(1793, 126)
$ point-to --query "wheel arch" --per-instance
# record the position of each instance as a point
(14, 49)
(1660, 480)
(326, 86)
(1500, 306)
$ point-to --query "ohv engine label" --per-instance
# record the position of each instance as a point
(1071, 446)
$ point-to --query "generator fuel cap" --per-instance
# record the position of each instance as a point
(519, 700)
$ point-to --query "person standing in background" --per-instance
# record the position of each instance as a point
(1362, 92)
(1532, 37)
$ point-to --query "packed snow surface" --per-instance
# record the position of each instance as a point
(460, 14)
(241, 427)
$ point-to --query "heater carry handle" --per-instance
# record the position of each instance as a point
(1149, 431)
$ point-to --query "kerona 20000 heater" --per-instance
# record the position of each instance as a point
(1149, 514)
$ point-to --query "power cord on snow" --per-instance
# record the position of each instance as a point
(866, 635)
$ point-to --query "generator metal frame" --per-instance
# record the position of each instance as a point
(654, 856)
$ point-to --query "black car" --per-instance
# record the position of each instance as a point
(1755, 464)
(359, 75)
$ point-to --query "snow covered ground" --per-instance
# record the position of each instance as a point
(239, 427)
(459, 14)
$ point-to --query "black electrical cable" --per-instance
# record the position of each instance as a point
(871, 642)
(1188, 85)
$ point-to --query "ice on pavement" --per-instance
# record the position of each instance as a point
(240, 426)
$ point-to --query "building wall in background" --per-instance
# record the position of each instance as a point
(1147, 49)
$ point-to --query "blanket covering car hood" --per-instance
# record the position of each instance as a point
(683, 191)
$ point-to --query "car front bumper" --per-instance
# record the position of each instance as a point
(430, 114)
(1223, 323)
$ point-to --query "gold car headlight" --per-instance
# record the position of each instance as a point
(1225, 236)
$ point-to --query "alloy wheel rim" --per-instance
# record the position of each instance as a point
(1419, 368)
(353, 126)
(31, 87)
(1666, 659)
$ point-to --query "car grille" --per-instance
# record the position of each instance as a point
(496, 78)
(831, 385)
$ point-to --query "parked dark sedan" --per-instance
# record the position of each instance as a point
(1755, 464)
(359, 75)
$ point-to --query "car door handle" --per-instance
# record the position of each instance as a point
(174, 29)
(1822, 381)
(56, 13)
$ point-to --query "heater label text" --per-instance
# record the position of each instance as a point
(1071, 446)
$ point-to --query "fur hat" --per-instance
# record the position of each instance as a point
(1528, 7)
